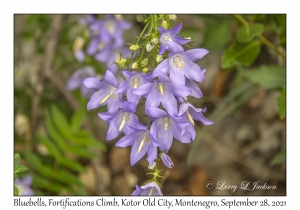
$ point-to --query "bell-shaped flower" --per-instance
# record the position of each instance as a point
(190, 113)
(121, 121)
(23, 186)
(76, 80)
(162, 92)
(150, 189)
(133, 81)
(110, 54)
(106, 93)
(170, 40)
(142, 142)
(111, 29)
(166, 160)
(181, 66)
(165, 127)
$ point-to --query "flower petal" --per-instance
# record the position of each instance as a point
(195, 54)
(111, 79)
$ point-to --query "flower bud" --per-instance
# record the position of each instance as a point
(159, 58)
(149, 47)
(164, 24)
(78, 44)
(134, 47)
(134, 65)
(121, 62)
(166, 160)
(172, 17)
(154, 41)
(144, 62)
(145, 70)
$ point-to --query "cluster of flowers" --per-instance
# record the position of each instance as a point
(166, 89)
(105, 45)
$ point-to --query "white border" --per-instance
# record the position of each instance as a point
(8, 8)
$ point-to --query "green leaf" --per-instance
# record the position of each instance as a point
(17, 158)
(85, 138)
(16, 191)
(49, 145)
(240, 54)
(247, 33)
(217, 35)
(43, 183)
(282, 104)
(54, 134)
(77, 119)
(15, 177)
(268, 77)
(279, 158)
(20, 168)
(71, 164)
(60, 121)
(80, 151)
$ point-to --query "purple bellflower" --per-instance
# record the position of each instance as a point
(133, 81)
(181, 66)
(111, 29)
(24, 186)
(76, 80)
(166, 160)
(190, 113)
(149, 189)
(121, 121)
(170, 40)
(109, 54)
(142, 142)
(165, 127)
(106, 94)
(164, 93)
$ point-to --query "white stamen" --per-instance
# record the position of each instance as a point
(177, 61)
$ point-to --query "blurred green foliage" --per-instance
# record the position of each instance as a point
(17, 169)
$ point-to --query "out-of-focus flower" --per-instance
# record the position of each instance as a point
(170, 40)
(76, 80)
(182, 65)
(24, 186)
(150, 189)
(172, 17)
(77, 47)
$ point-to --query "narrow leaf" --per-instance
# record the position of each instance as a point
(77, 119)
(16, 191)
(17, 158)
(20, 168)
(60, 121)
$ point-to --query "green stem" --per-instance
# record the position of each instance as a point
(261, 37)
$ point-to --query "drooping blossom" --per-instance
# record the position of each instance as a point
(121, 121)
(142, 142)
(170, 40)
(165, 127)
(150, 189)
(23, 186)
(76, 80)
(190, 113)
(106, 93)
(181, 66)
(164, 93)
